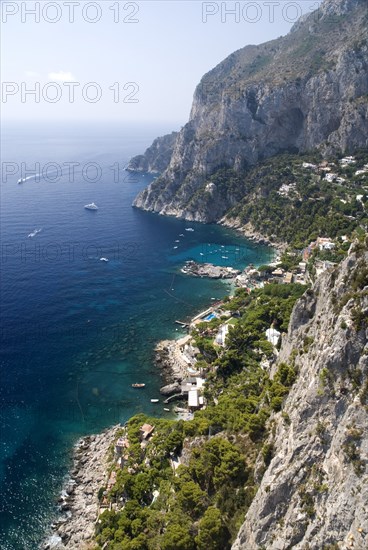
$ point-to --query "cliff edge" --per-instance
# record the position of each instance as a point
(314, 492)
(304, 91)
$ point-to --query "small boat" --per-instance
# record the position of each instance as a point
(138, 385)
(175, 247)
(167, 410)
(201, 254)
(225, 257)
(91, 206)
(177, 241)
(189, 229)
(22, 180)
(34, 233)
(155, 400)
(104, 259)
(181, 235)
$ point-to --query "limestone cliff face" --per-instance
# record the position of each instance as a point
(157, 156)
(306, 90)
(314, 493)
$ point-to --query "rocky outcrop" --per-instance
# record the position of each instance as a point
(211, 271)
(314, 492)
(75, 527)
(304, 91)
(157, 157)
(170, 389)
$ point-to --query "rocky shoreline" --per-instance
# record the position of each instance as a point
(172, 370)
(252, 234)
(75, 527)
(209, 270)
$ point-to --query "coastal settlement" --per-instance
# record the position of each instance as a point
(89, 491)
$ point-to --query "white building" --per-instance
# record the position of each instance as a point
(330, 177)
(324, 243)
(221, 335)
(193, 399)
(347, 160)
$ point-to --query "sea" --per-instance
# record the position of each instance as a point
(77, 330)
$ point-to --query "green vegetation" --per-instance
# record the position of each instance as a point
(202, 503)
(312, 206)
(199, 504)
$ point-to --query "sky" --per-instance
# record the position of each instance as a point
(113, 60)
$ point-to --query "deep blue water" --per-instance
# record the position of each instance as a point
(77, 331)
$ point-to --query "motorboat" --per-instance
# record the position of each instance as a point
(91, 206)
(34, 233)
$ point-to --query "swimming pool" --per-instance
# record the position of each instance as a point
(210, 317)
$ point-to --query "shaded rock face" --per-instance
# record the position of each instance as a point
(157, 156)
(303, 91)
(314, 493)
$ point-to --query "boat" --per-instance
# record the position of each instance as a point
(22, 180)
(181, 235)
(167, 410)
(155, 400)
(189, 229)
(177, 241)
(175, 247)
(91, 206)
(136, 385)
(104, 259)
(34, 233)
(225, 257)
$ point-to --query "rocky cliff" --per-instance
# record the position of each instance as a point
(303, 91)
(157, 156)
(314, 493)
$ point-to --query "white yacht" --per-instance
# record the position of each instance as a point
(91, 206)
(189, 229)
(104, 259)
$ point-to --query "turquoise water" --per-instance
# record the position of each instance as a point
(76, 332)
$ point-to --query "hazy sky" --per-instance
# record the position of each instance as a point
(143, 59)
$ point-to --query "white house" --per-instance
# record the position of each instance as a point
(221, 335)
(347, 160)
(193, 399)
